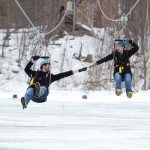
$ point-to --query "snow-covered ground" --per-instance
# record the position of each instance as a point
(68, 122)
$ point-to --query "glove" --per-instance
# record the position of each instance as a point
(35, 57)
(130, 41)
(82, 69)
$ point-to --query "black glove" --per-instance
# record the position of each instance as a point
(129, 41)
(35, 57)
(82, 69)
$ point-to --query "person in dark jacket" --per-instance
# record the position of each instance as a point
(122, 70)
(41, 80)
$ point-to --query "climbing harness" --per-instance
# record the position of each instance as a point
(121, 68)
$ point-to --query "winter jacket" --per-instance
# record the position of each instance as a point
(121, 61)
(44, 78)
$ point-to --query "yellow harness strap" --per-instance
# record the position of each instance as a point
(122, 67)
(32, 82)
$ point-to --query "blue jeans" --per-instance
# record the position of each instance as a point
(127, 79)
(31, 91)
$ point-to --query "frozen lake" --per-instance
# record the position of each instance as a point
(75, 125)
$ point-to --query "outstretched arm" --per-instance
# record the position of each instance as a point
(66, 74)
(105, 59)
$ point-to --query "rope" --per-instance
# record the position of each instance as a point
(114, 20)
(104, 13)
(58, 24)
(40, 41)
(33, 24)
(24, 13)
(119, 32)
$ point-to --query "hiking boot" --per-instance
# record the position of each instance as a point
(129, 94)
(119, 92)
(23, 102)
(37, 89)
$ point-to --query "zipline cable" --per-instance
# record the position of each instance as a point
(117, 34)
(24, 13)
(132, 8)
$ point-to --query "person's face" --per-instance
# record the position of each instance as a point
(119, 48)
(47, 67)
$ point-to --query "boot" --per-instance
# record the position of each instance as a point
(119, 92)
(23, 102)
(37, 89)
(129, 94)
